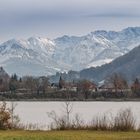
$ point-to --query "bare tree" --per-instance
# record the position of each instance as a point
(84, 87)
(44, 82)
(14, 118)
(67, 108)
(30, 83)
(136, 87)
(124, 120)
(63, 122)
(116, 81)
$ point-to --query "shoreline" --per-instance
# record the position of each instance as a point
(63, 100)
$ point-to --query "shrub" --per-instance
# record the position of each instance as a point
(8, 120)
(124, 121)
(5, 116)
(100, 123)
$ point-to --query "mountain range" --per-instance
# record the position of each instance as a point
(42, 56)
(127, 65)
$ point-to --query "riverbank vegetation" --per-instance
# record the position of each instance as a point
(68, 126)
(124, 120)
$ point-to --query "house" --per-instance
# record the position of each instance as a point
(93, 87)
(136, 85)
(71, 86)
(54, 85)
(110, 88)
(105, 88)
(86, 85)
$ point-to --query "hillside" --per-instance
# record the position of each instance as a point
(128, 65)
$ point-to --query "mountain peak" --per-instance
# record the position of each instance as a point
(43, 55)
(99, 32)
(131, 28)
(12, 43)
(36, 40)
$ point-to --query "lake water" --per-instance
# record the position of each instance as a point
(36, 112)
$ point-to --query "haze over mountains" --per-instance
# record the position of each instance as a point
(42, 56)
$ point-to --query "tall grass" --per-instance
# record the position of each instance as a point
(124, 120)
(100, 123)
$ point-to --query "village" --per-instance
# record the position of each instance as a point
(13, 87)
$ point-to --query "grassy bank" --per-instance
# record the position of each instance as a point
(68, 135)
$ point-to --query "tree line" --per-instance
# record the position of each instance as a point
(114, 86)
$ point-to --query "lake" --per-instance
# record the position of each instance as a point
(36, 112)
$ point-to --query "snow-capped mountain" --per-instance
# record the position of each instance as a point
(125, 39)
(42, 56)
(30, 57)
(81, 52)
(127, 65)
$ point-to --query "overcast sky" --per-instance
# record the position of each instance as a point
(53, 18)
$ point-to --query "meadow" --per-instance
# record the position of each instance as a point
(68, 135)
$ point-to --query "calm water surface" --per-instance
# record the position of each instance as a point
(36, 112)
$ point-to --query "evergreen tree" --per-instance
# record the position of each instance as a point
(61, 83)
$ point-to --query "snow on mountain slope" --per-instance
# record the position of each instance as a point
(42, 56)
(29, 57)
(96, 48)
(126, 39)
(78, 52)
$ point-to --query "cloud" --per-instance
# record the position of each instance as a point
(39, 9)
(26, 17)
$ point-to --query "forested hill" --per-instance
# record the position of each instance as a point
(127, 65)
